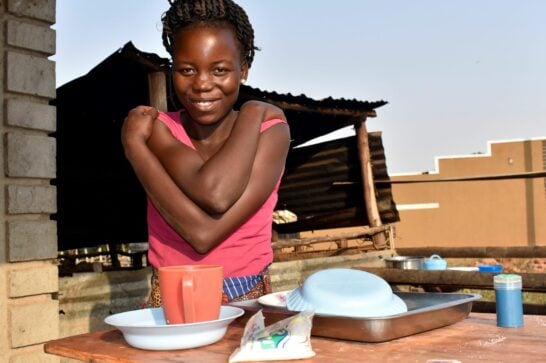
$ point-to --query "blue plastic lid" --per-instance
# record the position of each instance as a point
(346, 292)
(490, 268)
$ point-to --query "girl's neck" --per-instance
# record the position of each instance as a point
(204, 133)
(207, 139)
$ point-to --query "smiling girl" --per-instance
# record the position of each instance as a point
(211, 173)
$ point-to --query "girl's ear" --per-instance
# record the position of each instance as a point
(244, 72)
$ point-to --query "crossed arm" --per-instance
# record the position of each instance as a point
(216, 183)
(205, 201)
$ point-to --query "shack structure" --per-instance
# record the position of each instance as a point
(329, 185)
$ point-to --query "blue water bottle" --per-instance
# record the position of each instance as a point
(508, 300)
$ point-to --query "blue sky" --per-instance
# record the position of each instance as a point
(456, 74)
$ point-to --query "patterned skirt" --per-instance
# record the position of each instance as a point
(235, 288)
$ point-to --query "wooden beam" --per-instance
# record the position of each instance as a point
(370, 201)
(476, 252)
(322, 110)
(490, 307)
(294, 242)
(452, 278)
(523, 175)
(294, 256)
(157, 90)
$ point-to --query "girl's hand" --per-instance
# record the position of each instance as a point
(138, 124)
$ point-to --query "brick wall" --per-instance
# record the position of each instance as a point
(29, 310)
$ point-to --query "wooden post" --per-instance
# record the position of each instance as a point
(157, 90)
(370, 201)
(342, 243)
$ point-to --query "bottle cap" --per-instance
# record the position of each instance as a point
(507, 281)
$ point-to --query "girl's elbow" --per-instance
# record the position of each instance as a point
(217, 203)
(200, 248)
(219, 207)
(202, 243)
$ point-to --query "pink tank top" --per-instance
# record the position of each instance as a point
(247, 251)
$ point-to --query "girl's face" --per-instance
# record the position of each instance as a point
(207, 72)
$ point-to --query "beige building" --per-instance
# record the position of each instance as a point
(492, 199)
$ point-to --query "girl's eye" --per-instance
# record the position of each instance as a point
(220, 71)
(186, 71)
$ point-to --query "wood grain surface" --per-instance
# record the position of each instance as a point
(475, 339)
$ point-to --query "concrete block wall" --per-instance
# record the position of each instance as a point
(29, 284)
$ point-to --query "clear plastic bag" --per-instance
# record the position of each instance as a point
(286, 339)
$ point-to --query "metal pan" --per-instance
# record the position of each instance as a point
(405, 262)
(426, 311)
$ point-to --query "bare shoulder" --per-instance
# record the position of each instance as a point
(268, 110)
(275, 140)
(161, 137)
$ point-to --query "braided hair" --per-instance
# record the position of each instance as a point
(186, 13)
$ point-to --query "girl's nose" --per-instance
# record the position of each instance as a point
(203, 82)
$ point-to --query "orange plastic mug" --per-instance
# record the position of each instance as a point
(191, 293)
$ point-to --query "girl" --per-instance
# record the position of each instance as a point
(211, 173)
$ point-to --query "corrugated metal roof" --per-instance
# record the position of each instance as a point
(308, 188)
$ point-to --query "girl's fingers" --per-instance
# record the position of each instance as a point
(152, 112)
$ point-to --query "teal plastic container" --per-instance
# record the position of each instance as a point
(508, 300)
(435, 262)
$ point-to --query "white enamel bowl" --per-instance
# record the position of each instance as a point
(146, 329)
(346, 292)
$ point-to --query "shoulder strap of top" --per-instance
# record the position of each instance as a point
(269, 123)
(174, 124)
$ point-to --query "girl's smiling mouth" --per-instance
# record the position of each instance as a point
(203, 105)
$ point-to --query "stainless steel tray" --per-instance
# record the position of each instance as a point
(426, 311)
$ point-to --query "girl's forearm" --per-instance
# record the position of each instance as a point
(217, 183)
(225, 175)
(198, 228)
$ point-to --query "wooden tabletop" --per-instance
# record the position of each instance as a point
(475, 339)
